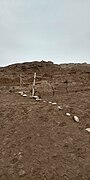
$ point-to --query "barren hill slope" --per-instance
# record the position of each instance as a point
(38, 141)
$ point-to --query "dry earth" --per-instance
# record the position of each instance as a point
(37, 140)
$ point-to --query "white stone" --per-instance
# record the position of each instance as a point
(54, 103)
(50, 102)
(88, 129)
(67, 114)
(35, 97)
(21, 92)
(59, 107)
(24, 95)
(19, 153)
(76, 118)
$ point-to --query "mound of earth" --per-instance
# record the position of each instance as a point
(38, 141)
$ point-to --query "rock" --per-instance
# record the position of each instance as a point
(21, 93)
(22, 172)
(38, 99)
(35, 97)
(44, 88)
(54, 103)
(67, 114)
(60, 108)
(24, 95)
(19, 153)
(76, 118)
(50, 102)
(87, 129)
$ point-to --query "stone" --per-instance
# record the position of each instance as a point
(88, 129)
(24, 95)
(67, 114)
(54, 103)
(37, 98)
(60, 108)
(21, 93)
(19, 153)
(76, 119)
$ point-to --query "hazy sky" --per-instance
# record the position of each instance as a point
(57, 30)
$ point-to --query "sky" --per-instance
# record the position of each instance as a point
(51, 30)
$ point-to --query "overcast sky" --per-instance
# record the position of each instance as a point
(57, 30)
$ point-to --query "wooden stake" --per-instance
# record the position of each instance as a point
(33, 87)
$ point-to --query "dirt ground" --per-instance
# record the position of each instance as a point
(37, 140)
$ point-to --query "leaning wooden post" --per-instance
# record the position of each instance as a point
(33, 87)
(21, 81)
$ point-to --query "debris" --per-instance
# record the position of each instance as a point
(44, 101)
(54, 103)
(67, 114)
(60, 108)
(76, 118)
(87, 129)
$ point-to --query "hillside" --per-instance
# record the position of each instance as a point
(39, 141)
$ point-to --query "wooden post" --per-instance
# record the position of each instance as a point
(33, 87)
